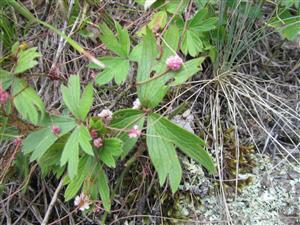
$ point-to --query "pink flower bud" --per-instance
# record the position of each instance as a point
(17, 141)
(3, 97)
(174, 63)
(94, 134)
(134, 132)
(55, 129)
(98, 142)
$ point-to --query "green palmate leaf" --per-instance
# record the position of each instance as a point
(103, 188)
(126, 119)
(71, 96)
(188, 143)
(120, 44)
(193, 40)
(116, 67)
(111, 149)
(27, 102)
(80, 137)
(163, 156)
(26, 60)
(191, 43)
(189, 69)
(38, 142)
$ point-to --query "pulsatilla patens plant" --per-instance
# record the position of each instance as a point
(81, 147)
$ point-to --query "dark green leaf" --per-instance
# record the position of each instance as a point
(163, 156)
(187, 142)
(103, 188)
(111, 149)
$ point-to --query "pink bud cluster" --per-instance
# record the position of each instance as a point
(174, 63)
(97, 141)
(3, 96)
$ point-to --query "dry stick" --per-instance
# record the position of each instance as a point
(53, 200)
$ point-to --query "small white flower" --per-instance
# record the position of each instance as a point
(137, 104)
(134, 132)
(82, 201)
(106, 115)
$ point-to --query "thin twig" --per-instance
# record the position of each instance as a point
(53, 200)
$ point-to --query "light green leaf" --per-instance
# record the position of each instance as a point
(126, 119)
(188, 143)
(86, 101)
(191, 43)
(71, 96)
(163, 156)
(26, 60)
(27, 102)
(189, 69)
(120, 45)
(79, 137)
(6, 78)
(116, 68)
(38, 142)
(111, 149)
(103, 188)
(288, 26)
(151, 93)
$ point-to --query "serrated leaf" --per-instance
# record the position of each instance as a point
(112, 148)
(26, 60)
(38, 142)
(86, 101)
(71, 96)
(6, 78)
(188, 143)
(116, 67)
(126, 119)
(191, 43)
(27, 102)
(163, 156)
(79, 137)
(103, 188)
